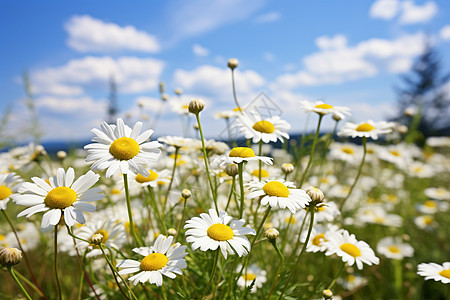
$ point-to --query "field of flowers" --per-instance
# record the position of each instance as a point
(356, 213)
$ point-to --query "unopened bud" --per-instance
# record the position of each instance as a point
(409, 112)
(164, 97)
(287, 168)
(233, 63)
(272, 234)
(327, 294)
(178, 91)
(336, 117)
(402, 129)
(186, 194)
(161, 87)
(232, 170)
(10, 257)
(172, 231)
(196, 106)
(315, 194)
(97, 239)
(196, 126)
(61, 155)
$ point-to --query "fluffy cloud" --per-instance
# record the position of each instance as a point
(200, 50)
(132, 75)
(412, 13)
(444, 33)
(269, 17)
(337, 62)
(87, 34)
(384, 9)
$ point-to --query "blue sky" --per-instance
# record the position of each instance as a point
(346, 53)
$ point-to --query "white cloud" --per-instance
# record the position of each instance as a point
(412, 13)
(337, 62)
(269, 17)
(200, 50)
(384, 9)
(269, 56)
(444, 33)
(62, 105)
(87, 34)
(132, 75)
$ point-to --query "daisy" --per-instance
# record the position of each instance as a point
(278, 193)
(153, 180)
(350, 249)
(9, 184)
(352, 281)
(211, 231)
(163, 258)
(255, 273)
(435, 271)
(241, 154)
(369, 129)
(394, 248)
(266, 130)
(345, 152)
(120, 147)
(316, 242)
(437, 193)
(60, 194)
(323, 108)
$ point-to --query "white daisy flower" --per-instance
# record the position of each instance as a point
(437, 193)
(120, 147)
(154, 179)
(316, 242)
(163, 258)
(394, 248)
(113, 233)
(9, 184)
(254, 127)
(60, 195)
(432, 207)
(211, 231)
(241, 154)
(228, 114)
(350, 249)
(420, 170)
(369, 129)
(352, 281)
(324, 109)
(278, 193)
(425, 222)
(346, 152)
(435, 271)
(252, 272)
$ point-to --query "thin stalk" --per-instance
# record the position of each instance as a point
(29, 283)
(55, 240)
(161, 221)
(233, 184)
(260, 162)
(130, 215)
(312, 152)
(241, 188)
(177, 149)
(213, 273)
(311, 223)
(11, 272)
(336, 277)
(280, 268)
(182, 219)
(364, 141)
(234, 91)
(398, 272)
(25, 257)
(299, 236)
(205, 158)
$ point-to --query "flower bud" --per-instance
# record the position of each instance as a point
(409, 112)
(161, 87)
(61, 155)
(327, 294)
(10, 257)
(186, 194)
(164, 97)
(172, 231)
(336, 117)
(315, 194)
(402, 129)
(233, 63)
(97, 239)
(272, 234)
(287, 168)
(196, 106)
(178, 91)
(232, 170)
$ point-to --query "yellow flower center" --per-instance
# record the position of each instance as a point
(60, 197)
(290, 220)
(323, 106)
(264, 173)
(351, 278)
(395, 153)
(124, 148)
(173, 156)
(430, 204)
(115, 191)
(249, 276)
(154, 262)
(5, 192)
(104, 233)
(318, 239)
(428, 220)
(394, 249)
(350, 249)
(2, 237)
(440, 191)
(418, 169)
(220, 232)
(348, 150)
(264, 127)
(242, 152)
(365, 127)
(276, 188)
(445, 273)
(237, 109)
(141, 179)
(185, 106)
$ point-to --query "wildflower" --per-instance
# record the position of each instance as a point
(323, 109)
(255, 273)
(369, 129)
(437, 193)
(434, 271)
(233, 63)
(10, 257)
(120, 147)
(346, 152)
(271, 234)
(196, 106)
(60, 194)
(394, 248)
(278, 193)
(9, 185)
(211, 231)
(241, 154)
(266, 130)
(163, 258)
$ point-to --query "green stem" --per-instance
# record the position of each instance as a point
(55, 240)
(280, 268)
(161, 220)
(364, 141)
(312, 152)
(294, 270)
(213, 273)
(181, 220)
(241, 187)
(336, 277)
(177, 149)
(11, 272)
(260, 162)
(233, 184)
(130, 215)
(29, 283)
(399, 278)
(234, 91)
(205, 158)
